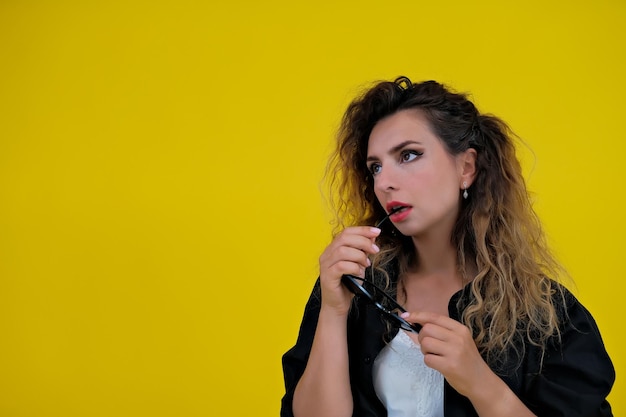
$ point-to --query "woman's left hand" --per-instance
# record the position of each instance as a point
(449, 348)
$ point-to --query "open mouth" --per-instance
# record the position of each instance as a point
(397, 209)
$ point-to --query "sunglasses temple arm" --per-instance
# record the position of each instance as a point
(384, 219)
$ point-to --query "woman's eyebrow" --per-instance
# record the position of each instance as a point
(396, 149)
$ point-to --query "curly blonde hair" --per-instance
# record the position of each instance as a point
(497, 228)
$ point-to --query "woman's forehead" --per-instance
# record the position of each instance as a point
(401, 127)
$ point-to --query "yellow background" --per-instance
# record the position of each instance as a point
(160, 163)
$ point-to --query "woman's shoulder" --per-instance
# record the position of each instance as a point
(577, 349)
(577, 328)
(566, 304)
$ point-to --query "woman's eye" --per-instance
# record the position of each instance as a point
(408, 156)
(375, 168)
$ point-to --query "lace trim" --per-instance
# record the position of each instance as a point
(404, 384)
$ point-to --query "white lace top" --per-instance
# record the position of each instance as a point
(404, 384)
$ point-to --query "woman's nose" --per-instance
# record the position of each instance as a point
(384, 180)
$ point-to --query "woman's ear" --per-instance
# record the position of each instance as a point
(467, 166)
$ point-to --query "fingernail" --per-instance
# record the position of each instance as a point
(376, 230)
(369, 263)
(376, 248)
(405, 314)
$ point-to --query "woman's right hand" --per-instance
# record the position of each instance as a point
(347, 254)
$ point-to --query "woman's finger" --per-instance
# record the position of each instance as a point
(425, 317)
(361, 238)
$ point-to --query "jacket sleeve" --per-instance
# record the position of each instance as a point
(576, 374)
(295, 360)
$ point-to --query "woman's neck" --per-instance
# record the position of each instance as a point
(435, 256)
(438, 260)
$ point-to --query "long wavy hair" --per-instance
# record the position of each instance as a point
(497, 229)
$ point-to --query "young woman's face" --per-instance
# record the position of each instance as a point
(412, 168)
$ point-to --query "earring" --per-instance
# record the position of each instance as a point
(465, 193)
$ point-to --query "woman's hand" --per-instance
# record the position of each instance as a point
(449, 348)
(347, 254)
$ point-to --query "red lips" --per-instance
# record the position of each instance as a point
(396, 205)
(399, 209)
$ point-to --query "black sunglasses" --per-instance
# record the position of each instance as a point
(361, 287)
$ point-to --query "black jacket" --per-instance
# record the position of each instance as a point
(573, 380)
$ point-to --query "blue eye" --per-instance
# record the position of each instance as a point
(375, 168)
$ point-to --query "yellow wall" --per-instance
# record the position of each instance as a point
(160, 215)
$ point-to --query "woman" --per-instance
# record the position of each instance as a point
(463, 253)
